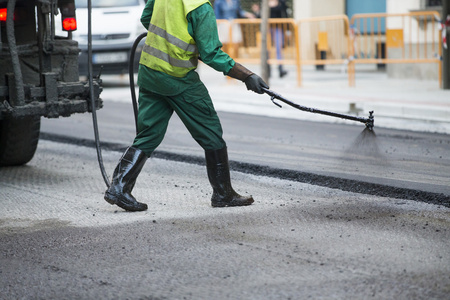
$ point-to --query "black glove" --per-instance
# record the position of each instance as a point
(255, 83)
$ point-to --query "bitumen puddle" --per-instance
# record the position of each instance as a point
(366, 141)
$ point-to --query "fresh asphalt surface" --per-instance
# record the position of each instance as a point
(320, 228)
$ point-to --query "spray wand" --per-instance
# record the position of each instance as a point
(367, 121)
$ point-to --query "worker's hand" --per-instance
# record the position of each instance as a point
(255, 83)
(251, 80)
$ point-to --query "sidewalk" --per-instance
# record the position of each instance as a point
(407, 104)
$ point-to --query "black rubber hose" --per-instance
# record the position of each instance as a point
(20, 93)
(131, 73)
(92, 96)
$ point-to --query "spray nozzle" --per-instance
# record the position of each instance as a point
(370, 120)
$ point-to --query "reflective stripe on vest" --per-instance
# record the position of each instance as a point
(173, 39)
(169, 48)
(170, 60)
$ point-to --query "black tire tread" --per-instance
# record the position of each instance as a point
(19, 138)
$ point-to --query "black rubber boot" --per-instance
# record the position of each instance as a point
(283, 72)
(124, 178)
(219, 177)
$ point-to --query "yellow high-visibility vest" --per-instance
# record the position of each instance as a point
(169, 47)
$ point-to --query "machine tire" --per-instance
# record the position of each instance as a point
(18, 140)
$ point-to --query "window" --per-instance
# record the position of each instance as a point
(432, 3)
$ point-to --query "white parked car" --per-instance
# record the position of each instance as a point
(115, 26)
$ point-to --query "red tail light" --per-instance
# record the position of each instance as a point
(3, 14)
(68, 16)
(69, 24)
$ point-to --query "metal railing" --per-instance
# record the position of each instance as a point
(241, 39)
(409, 38)
(328, 41)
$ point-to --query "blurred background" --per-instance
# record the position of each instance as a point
(404, 39)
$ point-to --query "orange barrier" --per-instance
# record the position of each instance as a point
(226, 36)
(241, 39)
(367, 39)
(395, 38)
(325, 40)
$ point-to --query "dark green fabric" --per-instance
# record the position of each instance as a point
(193, 106)
(161, 94)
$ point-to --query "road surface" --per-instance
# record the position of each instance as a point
(340, 213)
(60, 240)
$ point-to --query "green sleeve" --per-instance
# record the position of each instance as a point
(202, 26)
(147, 13)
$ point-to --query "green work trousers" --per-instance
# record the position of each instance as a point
(195, 109)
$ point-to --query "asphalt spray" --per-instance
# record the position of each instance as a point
(365, 146)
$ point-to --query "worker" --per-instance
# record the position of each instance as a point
(179, 33)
